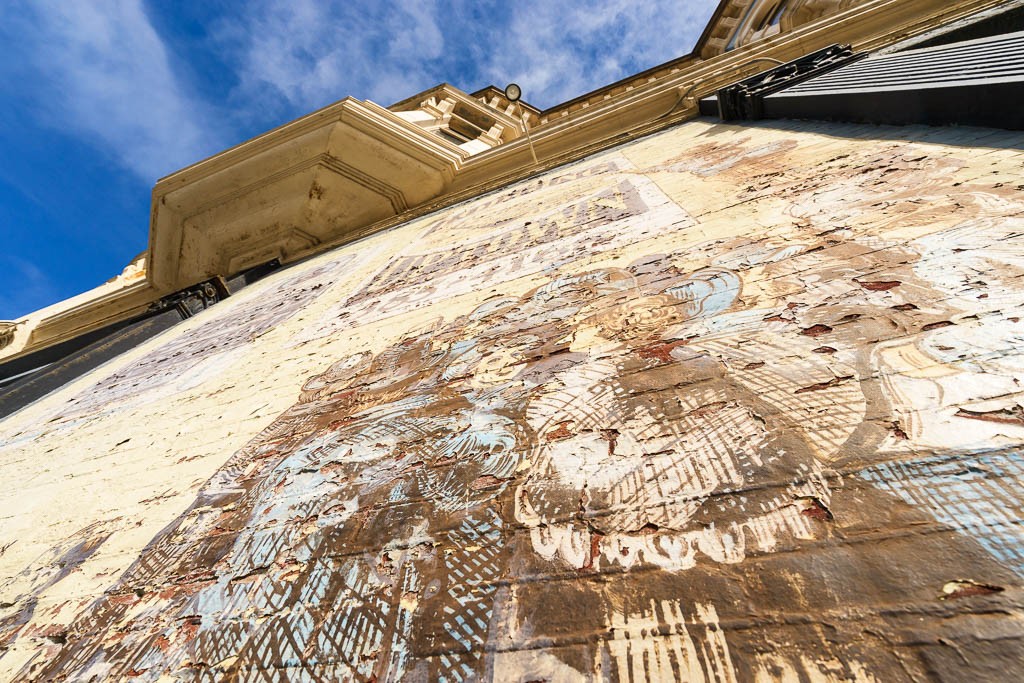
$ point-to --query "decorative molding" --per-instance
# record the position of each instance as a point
(219, 213)
(378, 163)
(91, 310)
(376, 185)
(7, 330)
(284, 246)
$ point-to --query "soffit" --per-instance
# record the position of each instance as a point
(287, 192)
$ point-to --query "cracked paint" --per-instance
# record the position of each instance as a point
(724, 404)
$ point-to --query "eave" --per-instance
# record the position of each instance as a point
(355, 168)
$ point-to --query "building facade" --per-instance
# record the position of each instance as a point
(686, 399)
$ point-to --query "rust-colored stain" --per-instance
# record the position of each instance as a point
(966, 589)
(815, 509)
(824, 385)
(879, 285)
(661, 351)
(1013, 415)
(816, 330)
(555, 434)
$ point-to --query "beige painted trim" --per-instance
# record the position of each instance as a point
(404, 172)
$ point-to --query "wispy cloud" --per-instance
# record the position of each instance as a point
(34, 290)
(305, 53)
(98, 69)
(561, 50)
(301, 54)
(140, 89)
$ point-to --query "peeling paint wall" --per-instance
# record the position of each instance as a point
(724, 404)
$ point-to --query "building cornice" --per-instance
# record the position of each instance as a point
(355, 168)
(283, 194)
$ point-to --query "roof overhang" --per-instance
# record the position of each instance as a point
(315, 181)
(355, 168)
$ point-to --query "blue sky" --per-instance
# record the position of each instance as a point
(100, 98)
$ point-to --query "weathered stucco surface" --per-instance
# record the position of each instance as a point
(725, 404)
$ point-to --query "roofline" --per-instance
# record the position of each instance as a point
(694, 53)
(712, 22)
(633, 107)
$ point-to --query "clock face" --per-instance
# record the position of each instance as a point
(513, 92)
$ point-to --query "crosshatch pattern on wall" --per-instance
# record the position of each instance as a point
(724, 404)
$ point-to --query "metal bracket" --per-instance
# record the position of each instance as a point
(188, 302)
(745, 99)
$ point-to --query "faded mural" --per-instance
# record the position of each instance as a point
(727, 404)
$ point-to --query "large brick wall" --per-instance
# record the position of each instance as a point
(724, 404)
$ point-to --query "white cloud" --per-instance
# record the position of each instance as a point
(33, 290)
(98, 69)
(311, 53)
(561, 50)
(302, 54)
